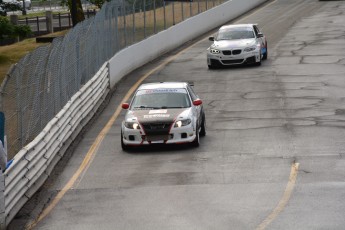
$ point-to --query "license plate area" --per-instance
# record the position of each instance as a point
(157, 138)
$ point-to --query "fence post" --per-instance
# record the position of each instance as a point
(2, 202)
(182, 11)
(165, 20)
(144, 19)
(49, 16)
(38, 25)
(14, 19)
(154, 17)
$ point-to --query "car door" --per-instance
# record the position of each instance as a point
(197, 110)
(262, 40)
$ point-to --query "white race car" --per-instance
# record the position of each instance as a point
(163, 113)
(237, 44)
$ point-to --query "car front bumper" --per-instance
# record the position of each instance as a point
(136, 137)
(247, 57)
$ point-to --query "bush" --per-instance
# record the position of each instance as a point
(22, 31)
(8, 30)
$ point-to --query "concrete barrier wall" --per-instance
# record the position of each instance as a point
(2, 202)
(145, 51)
(33, 164)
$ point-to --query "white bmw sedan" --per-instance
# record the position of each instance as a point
(163, 113)
(237, 44)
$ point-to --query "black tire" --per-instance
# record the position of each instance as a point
(203, 126)
(214, 64)
(264, 57)
(196, 141)
(258, 63)
(123, 146)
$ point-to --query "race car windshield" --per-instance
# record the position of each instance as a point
(235, 33)
(161, 99)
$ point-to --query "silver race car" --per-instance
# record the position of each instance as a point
(237, 44)
(163, 113)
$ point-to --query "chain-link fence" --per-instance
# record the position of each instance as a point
(42, 82)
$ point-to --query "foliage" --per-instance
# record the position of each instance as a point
(8, 30)
(9, 6)
(99, 3)
(22, 31)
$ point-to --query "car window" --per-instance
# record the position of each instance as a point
(256, 29)
(235, 33)
(161, 98)
(192, 93)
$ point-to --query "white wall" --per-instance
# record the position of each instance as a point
(145, 51)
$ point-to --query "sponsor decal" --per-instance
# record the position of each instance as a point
(158, 111)
(149, 116)
(153, 91)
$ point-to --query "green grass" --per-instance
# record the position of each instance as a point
(11, 54)
(40, 14)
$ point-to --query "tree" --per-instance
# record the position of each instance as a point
(76, 10)
(98, 3)
(9, 6)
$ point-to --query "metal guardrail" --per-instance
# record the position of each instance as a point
(34, 163)
(2, 202)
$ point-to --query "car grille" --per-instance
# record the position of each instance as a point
(157, 128)
(235, 61)
(227, 52)
(236, 52)
(232, 52)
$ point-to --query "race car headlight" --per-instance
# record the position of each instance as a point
(181, 123)
(132, 125)
(249, 49)
(214, 51)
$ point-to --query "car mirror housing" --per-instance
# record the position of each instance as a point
(260, 35)
(197, 102)
(211, 38)
(125, 105)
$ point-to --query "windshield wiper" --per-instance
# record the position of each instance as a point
(145, 107)
(173, 107)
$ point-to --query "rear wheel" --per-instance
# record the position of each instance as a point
(203, 126)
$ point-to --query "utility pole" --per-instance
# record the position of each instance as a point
(24, 8)
(74, 12)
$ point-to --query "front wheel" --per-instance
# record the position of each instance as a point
(213, 64)
(264, 57)
(123, 146)
(259, 62)
(196, 141)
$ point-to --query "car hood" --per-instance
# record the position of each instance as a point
(158, 115)
(233, 44)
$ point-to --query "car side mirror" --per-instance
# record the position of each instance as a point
(125, 105)
(197, 102)
(260, 35)
(211, 39)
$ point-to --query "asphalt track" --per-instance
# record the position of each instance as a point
(273, 156)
